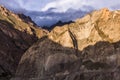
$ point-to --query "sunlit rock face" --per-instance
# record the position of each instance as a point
(82, 50)
(21, 22)
(102, 25)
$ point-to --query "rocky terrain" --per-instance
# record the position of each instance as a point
(16, 36)
(88, 49)
(59, 23)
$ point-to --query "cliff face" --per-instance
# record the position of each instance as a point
(88, 49)
(102, 25)
(21, 22)
(16, 36)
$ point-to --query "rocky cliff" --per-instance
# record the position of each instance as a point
(16, 36)
(102, 25)
(88, 49)
(21, 22)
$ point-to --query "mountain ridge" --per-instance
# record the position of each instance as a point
(85, 49)
(91, 21)
(22, 20)
(16, 36)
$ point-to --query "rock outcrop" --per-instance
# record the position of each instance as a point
(21, 22)
(102, 25)
(16, 36)
(88, 49)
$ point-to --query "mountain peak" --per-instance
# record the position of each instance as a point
(100, 22)
(104, 9)
(2, 7)
(21, 22)
(105, 13)
(4, 11)
(89, 44)
(17, 34)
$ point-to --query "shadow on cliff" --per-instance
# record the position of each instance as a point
(46, 53)
(13, 43)
(101, 48)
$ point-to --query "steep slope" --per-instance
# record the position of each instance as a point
(16, 36)
(102, 25)
(21, 22)
(88, 49)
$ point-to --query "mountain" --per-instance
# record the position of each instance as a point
(94, 27)
(21, 22)
(50, 17)
(59, 23)
(88, 49)
(17, 34)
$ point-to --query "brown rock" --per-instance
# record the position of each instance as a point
(15, 38)
(94, 38)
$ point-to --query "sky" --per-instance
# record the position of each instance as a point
(44, 9)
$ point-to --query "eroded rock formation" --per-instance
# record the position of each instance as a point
(16, 36)
(87, 49)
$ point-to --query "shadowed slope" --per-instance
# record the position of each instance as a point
(16, 36)
(47, 59)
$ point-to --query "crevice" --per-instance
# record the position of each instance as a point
(101, 33)
(74, 40)
(5, 72)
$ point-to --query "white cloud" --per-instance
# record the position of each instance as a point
(74, 8)
(10, 3)
(64, 5)
(34, 5)
(45, 17)
(60, 5)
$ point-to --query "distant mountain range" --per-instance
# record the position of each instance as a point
(50, 17)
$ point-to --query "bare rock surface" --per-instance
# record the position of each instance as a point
(16, 36)
(88, 49)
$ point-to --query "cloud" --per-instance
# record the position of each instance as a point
(47, 12)
(47, 18)
(32, 5)
(64, 5)
(104, 3)
(60, 5)
(10, 4)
